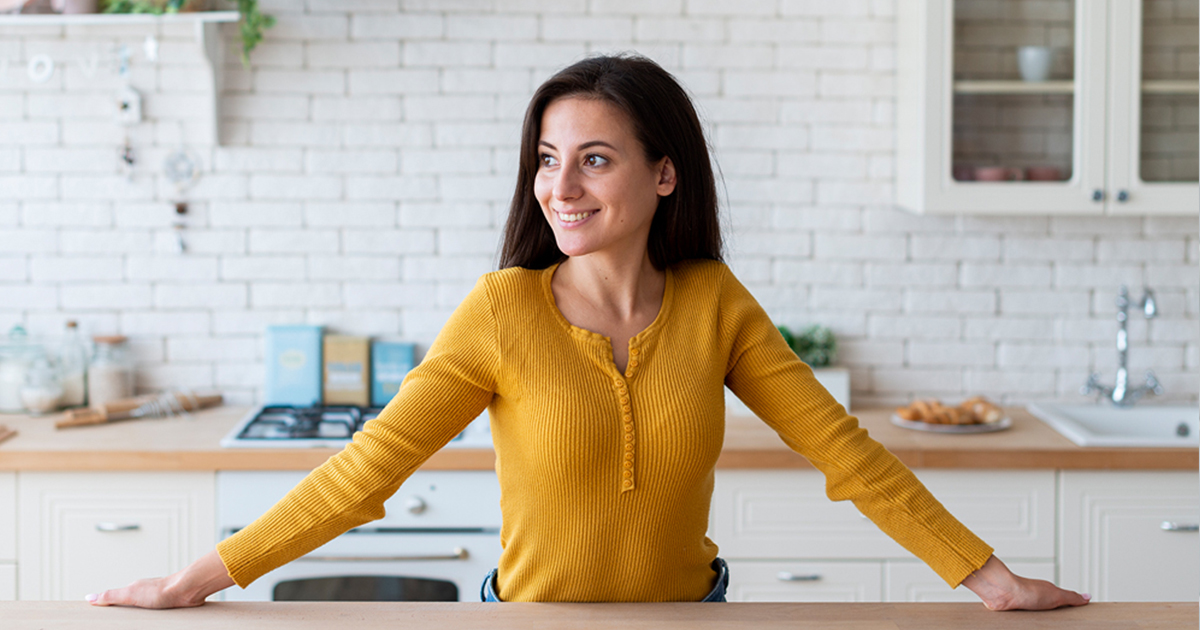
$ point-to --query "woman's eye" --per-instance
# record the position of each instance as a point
(547, 160)
(595, 160)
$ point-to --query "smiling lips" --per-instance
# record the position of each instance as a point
(574, 218)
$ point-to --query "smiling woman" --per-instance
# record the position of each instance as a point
(601, 350)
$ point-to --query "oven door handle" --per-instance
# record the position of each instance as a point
(459, 554)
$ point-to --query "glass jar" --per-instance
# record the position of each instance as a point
(73, 365)
(14, 364)
(110, 375)
(43, 390)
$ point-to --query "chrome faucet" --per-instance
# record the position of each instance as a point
(1121, 394)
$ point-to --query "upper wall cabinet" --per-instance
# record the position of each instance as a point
(1084, 107)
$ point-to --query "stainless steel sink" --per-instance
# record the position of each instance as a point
(1141, 426)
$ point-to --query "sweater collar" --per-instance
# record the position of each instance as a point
(664, 311)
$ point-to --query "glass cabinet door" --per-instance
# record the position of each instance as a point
(1026, 116)
(1155, 161)
(1169, 140)
(1014, 91)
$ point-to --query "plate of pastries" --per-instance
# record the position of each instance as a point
(973, 415)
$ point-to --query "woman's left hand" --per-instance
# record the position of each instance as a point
(1001, 589)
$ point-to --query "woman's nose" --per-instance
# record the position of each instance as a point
(566, 184)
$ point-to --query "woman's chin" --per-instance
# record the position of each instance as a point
(573, 249)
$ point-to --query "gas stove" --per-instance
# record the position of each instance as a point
(282, 426)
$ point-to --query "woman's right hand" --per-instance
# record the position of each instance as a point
(184, 589)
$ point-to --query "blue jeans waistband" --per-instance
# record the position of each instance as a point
(487, 590)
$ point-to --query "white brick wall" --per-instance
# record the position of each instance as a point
(369, 153)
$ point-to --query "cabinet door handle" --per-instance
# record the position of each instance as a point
(117, 527)
(1122, 196)
(786, 576)
(1097, 195)
(1168, 526)
(458, 554)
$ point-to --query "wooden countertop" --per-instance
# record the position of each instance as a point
(192, 443)
(689, 616)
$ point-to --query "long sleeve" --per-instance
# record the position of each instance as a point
(780, 389)
(453, 384)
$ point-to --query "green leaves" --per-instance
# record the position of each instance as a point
(251, 26)
(815, 345)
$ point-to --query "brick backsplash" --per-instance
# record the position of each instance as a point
(368, 154)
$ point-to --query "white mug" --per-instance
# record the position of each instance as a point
(1034, 62)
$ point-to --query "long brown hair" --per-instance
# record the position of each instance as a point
(685, 224)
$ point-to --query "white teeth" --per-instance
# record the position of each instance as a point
(578, 216)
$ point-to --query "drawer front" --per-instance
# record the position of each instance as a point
(82, 533)
(1114, 545)
(8, 582)
(782, 581)
(426, 499)
(785, 514)
(8, 517)
(914, 581)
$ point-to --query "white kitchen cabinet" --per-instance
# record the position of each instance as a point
(8, 517)
(1113, 132)
(82, 533)
(799, 581)
(786, 541)
(8, 537)
(1114, 545)
(771, 514)
(914, 581)
(8, 581)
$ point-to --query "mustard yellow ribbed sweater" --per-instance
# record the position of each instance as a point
(606, 477)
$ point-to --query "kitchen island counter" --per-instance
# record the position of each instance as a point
(192, 443)
(466, 616)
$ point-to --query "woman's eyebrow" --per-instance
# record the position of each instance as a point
(585, 145)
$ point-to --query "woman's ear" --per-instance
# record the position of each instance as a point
(666, 176)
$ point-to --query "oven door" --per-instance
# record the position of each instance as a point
(383, 565)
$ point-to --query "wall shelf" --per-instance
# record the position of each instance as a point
(205, 27)
(92, 19)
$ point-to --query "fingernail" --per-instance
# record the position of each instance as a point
(1087, 597)
(91, 597)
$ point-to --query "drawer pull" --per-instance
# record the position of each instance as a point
(1168, 526)
(458, 554)
(117, 527)
(785, 576)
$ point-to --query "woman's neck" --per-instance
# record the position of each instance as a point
(616, 287)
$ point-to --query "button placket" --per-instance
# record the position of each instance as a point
(634, 360)
(627, 433)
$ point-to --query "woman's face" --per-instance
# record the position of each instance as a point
(594, 184)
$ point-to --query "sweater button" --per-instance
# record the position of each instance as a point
(634, 352)
(629, 447)
(629, 464)
(628, 483)
(629, 455)
(628, 474)
(628, 437)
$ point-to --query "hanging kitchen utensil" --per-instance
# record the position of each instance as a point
(6, 432)
(181, 169)
(129, 106)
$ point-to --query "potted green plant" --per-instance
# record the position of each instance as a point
(815, 345)
(251, 25)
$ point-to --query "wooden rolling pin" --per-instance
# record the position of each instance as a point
(138, 407)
